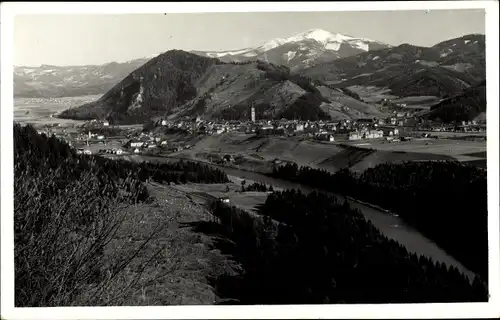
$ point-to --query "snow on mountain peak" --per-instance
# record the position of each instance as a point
(331, 40)
(319, 35)
(272, 44)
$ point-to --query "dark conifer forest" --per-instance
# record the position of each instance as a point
(446, 201)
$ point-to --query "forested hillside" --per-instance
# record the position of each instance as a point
(312, 249)
(465, 106)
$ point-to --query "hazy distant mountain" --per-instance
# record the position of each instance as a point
(55, 81)
(177, 84)
(297, 52)
(442, 70)
(301, 50)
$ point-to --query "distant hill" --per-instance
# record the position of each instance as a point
(180, 84)
(442, 70)
(466, 106)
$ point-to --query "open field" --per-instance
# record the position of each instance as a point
(424, 102)
(446, 147)
(247, 200)
(38, 110)
(372, 93)
(257, 153)
(454, 135)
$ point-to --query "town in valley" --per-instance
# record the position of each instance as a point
(310, 163)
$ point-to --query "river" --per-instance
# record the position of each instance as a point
(390, 225)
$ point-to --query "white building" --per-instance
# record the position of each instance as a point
(374, 134)
(299, 127)
(136, 144)
(137, 151)
(164, 122)
(105, 123)
(354, 136)
(119, 151)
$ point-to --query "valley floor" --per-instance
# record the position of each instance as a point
(258, 153)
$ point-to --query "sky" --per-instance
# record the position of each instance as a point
(96, 39)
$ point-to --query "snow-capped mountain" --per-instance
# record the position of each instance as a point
(301, 50)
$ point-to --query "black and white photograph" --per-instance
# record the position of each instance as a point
(263, 156)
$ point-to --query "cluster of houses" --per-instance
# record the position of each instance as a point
(207, 127)
(117, 151)
(320, 130)
(465, 126)
(83, 151)
(145, 141)
(366, 134)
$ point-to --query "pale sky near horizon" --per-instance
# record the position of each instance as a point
(96, 39)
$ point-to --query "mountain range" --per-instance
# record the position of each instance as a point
(310, 75)
(442, 70)
(296, 52)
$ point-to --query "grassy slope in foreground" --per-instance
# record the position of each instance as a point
(88, 234)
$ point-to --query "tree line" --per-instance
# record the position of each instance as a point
(256, 186)
(313, 249)
(36, 155)
(164, 172)
(446, 201)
